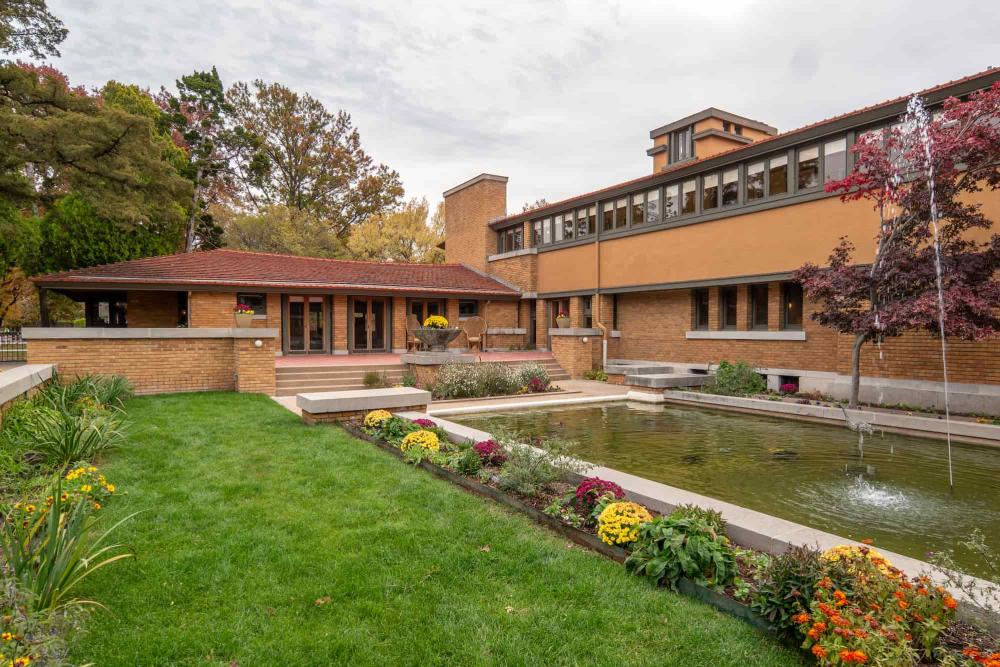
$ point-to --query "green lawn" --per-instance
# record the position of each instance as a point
(251, 517)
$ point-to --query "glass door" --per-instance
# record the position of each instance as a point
(369, 324)
(306, 319)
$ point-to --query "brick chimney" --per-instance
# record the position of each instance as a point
(468, 210)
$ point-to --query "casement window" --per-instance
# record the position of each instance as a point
(808, 163)
(255, 302)
(653, 207)
(681, 145)
(468, 308)
(536, 238)
(588, 311)
(608, 216)
(614, 312)
(777, 175)
(689, 197)
(510, 239)
(699, 303)
(568, 225)
(834, 160)
(621, 213)
(730, 186)
(727, 306)
(755, 182)
(791, 306)
(671, 201)
(586, 221)
(709, 192)
(758, 307)
(546, 231)
(638, 208)
(560, 229)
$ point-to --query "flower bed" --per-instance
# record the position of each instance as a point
(488, 379)
(848, 605)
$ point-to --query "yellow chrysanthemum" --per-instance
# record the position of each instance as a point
(375, 418)
(426, 440)
(436, 322)
(619, 523)
(849, 553)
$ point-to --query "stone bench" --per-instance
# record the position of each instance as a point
(338, 406)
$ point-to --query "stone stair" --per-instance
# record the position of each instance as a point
(292, 380)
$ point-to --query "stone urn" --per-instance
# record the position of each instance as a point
(562, 321)
(243, 320)
(436, 339)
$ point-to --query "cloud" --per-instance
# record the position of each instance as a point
(557, 95)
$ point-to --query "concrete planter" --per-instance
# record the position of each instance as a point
(436, 339)
(562, 322)
(243, 320)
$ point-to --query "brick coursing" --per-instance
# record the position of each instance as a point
(353, 415)
(521, 271)
(467, 217)
(575, 356)
(152, 309)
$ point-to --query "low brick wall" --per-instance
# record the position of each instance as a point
(577, 353)
(355, 415)
(162, 360)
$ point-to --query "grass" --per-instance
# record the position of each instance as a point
(268, 542)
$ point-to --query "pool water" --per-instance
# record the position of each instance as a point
(895, 493)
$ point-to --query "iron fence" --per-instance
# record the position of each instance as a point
(12, 347)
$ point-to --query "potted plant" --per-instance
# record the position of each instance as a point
(562, 319)
(436, 333)
(244, 316)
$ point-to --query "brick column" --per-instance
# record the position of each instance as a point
(773, 306)
(743, 307)
(604, 311)
(340, 324)
(541, 323)
(576, 311)
(399, 324)
(254, 366)
(714, 312)
(451, 313)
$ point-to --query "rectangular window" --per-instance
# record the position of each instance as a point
(536, 239)
(638, 208)
(758, 307)
(614, 312)
(607, 216)
(653, 207)
(592, 220)
(547, 230)
(588, 311)
(581, 223)
(509, 240)
(256, 302)
(834, 160)
(755, 181)
(671, 201)
(468, 308)
(621, 213)
(681, 145)
(567, 225)
(558, 230)
(518, 242)
(777, 177)
(689, 197)
(730, 187)
(699, 299)
(709, 192)
(791, 306)
(727, 306)
(808, 167)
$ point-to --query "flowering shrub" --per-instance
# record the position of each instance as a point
(243, 309)
(424, 423)
(436, 322)
(885, 619)
(537, 385)
(374, 419)
(490, 452)
(590, 490)
(425, 440)
(82, 483)
(980, 658)
(668, 549)
(849, 554)
(789, 388)
(619, 522)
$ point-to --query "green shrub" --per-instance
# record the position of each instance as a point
(394, 429)
(786, 586)
(712, 517)
(668, 549)
(51, 554)
(375, 380)
(62, 437)
(466, 461)
(596, 374)
(408, 380)
(529, 469)
(739, 379)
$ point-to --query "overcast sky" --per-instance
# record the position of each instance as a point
(559, 96)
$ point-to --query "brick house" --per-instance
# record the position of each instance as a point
(687, 265)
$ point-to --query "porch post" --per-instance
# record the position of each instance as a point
(43, 306)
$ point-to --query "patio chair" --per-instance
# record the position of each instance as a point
(412, 342)
(475, 332)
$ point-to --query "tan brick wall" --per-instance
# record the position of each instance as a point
(917, 356)
(399, 323)
(467, 216)
(162, 365)
(152, 309)
(451, 314)
(212, 309)
(501, 313)
(340, 322)
(354, 415)
(521, 271)
(575, 356)
(541, 323)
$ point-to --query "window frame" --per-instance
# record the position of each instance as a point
(785, 288)
(466, 302)
(704, 187)
(724, 302)
(798, 167)
(263, 299)
(722, 186)
(746, 182)
(752, 310)
(700, 296)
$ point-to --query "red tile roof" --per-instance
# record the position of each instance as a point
(552, 208)
(233, 268)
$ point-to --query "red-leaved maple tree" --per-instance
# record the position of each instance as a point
(898, 291)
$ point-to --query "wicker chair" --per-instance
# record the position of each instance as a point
(412, 342)
(475, 332)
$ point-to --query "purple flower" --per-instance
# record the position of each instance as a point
(789, 388)
(424, 423)
(490, 452)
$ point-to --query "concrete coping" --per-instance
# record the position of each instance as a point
(83, 333)
(325, 402)
(22, 379)
(731, 334)
(436, 358)
(574, 331)
(506, 330)
(512, 253)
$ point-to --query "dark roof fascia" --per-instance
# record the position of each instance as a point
(712, 112)
(757, 149)
(712, 132)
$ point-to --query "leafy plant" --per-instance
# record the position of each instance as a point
(466, 462)
(786, 585)
(590, 490)
(712, 517)
(62, 438)
(490, 452)
(52, 553)
(375, 380)
(529, 469)
(739, 379)
(489, 379)
(561, 509)
(984, 593)
(394, 429)
(668, 549)
(619, 522)
(408, 380)
(596, 374)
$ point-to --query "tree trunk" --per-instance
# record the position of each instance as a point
(192, 218)
(859, 340)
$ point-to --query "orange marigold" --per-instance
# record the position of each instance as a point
(819, 651)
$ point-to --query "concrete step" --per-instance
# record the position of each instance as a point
(664, 380)
(324, 373)
(360, 368)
